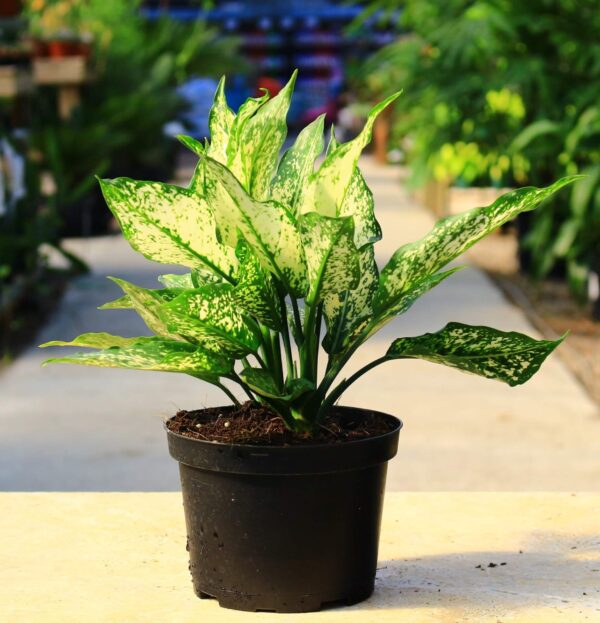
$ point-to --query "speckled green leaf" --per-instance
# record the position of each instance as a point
(449, 239)
(123, 302)
(148, 304)
(155, 354)
(261, 140)
(99, 340)
(220, 123)
(255, 291)
(331, 256)
(509, 357)
(297, 165)
(268, 227)
(346, 313)
(327, 187)
(177, 281)
(236, 162)
(261, 382)
(169, 224)
(192, 144)
(212, 316)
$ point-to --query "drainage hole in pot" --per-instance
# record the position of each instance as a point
(265, 610)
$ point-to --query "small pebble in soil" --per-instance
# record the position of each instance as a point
(227, 424)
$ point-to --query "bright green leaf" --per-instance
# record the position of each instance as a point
(331, 256)
(169, 224)
(509, 357)
(267, 227)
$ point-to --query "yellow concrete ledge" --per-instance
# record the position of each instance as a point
(120, 558)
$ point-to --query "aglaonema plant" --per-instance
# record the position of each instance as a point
(280, 261)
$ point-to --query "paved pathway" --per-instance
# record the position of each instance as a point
(78, 428)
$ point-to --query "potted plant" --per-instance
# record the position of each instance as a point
(283, 493)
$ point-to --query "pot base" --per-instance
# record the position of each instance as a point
(284, 605)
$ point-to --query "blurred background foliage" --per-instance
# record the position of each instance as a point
(502, 93)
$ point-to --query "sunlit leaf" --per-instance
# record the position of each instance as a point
(509, 357)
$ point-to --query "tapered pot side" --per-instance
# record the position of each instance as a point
(284, 528)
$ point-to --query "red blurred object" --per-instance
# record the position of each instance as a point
(272, 85)
(10, 8)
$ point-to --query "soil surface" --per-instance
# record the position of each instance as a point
(256, 424)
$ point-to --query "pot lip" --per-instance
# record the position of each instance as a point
(297, 447)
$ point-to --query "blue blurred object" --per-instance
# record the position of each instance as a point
(199, 93)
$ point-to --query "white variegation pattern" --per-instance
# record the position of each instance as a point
(256, 236)
(331, 256)
(509, 357)
(154, 354)
(220, 124)
(327, 187)
(148, 304)
(261, 140)
(211, 316)
(268, 227)
(297, 165)
(169, 224)
(255, 291)
(450, 238)
(347, 313)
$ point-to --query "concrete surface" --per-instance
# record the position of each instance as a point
(78, 428)
(103, 558)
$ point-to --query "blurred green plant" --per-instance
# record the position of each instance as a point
(502, 93)
(137, 65)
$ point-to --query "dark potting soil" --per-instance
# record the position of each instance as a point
(256, 424)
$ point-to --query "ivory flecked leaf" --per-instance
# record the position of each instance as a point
(155, 354)
(192, 144)
(346, 313)
(236, 163)
(261, 140)
(327, 187)
(261, 382)
(509, 357)
(297, 165)
(268, 227)
(177, 281)
(450, 238)
(99, 340)
(255, 291)
(148, 304)
(359, 204)
(211, 316)
(169, 224)
(123, 302)
(220, 122)
(331, 256)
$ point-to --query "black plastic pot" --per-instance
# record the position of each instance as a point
(284, 528)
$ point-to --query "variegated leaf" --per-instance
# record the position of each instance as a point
(155, 354)
(261, 140)
(193, 144)
(99, 340)
(148, 304)
(297, 165)
(261, 382)
(235, 161)
(211, 316)
(268, 227)
(123, 302)
(327, 187)
(331, 256)
(177, 281)
(449, 239)
(255, 291)
(346, 313)
(220, 123)
(169, 224)
(509, 357)
(359, 204)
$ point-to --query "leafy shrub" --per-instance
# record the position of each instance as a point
(261, 235)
